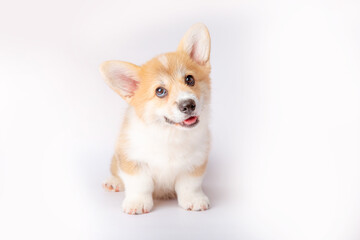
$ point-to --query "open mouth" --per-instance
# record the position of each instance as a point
(189, 122)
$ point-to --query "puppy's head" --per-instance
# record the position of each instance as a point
(171, 89)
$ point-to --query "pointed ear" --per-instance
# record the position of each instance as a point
(122, 77)
(196, 43)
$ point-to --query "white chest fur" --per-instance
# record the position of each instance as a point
(166, 151)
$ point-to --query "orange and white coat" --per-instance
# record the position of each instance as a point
(159, 154)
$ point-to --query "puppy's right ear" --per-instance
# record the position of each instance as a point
(122, 77)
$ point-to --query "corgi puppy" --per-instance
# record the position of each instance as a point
(163, 146)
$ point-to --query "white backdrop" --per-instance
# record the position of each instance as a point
(285, 161)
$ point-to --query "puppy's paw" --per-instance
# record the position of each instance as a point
(194, 202)
(113, 184)
(137, 205)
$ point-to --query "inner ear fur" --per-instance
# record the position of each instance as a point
(122, 77)
(196, 43)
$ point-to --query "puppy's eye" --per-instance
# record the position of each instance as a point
(189, 80)
(161, 92)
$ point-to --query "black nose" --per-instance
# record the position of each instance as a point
(187, 106)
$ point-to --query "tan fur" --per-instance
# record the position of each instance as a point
(150, 74)
(170, 173)
(134, 69)
(120, 160)
(199, 170)
(114, 167)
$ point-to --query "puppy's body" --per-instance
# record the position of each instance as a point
(164, 141)
(163, 153)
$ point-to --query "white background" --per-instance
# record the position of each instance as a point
(285, 161)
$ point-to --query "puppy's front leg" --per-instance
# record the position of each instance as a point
(138, 192)
(189, 192)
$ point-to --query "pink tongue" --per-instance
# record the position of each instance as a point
(190, 120)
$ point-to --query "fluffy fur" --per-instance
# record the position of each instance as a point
(158, 153)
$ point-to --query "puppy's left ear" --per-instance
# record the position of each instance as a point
(196, 43)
